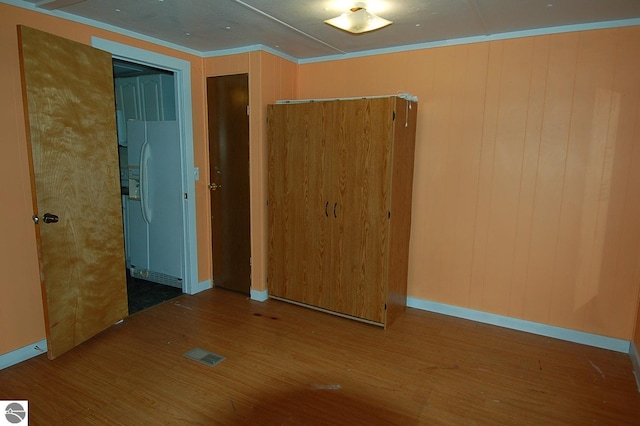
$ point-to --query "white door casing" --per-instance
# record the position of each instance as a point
(182, 72)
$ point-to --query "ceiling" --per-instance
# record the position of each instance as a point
(296, 28)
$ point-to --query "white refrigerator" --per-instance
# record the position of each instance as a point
(155, 202)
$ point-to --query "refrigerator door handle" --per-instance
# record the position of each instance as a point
(144, 182)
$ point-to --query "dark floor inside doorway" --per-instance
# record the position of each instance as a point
(144, 294)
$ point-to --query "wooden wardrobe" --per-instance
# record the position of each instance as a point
(339, 204)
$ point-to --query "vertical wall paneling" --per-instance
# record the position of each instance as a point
(526, 176)
(469, 107)
(424, 61)
(451, 72)
(436, 176)
(628, 84)
(514, 77)
(529, 174)
(620, 189)
(550, 176)
(586, 183)
(539, 283)
(485, 176)
(449, 184)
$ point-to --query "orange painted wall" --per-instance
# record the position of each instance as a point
(21, 315)
(527, 167)
(527, 172)
(270, 78)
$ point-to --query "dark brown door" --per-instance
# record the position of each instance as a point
(71, 130)
(228, 101)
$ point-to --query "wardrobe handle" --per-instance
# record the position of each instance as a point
(326, 209)
(334, 210)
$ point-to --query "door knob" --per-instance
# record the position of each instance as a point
(213, 186)
(50, 218)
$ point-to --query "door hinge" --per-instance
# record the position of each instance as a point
(248, 110)
(394, 116)
(389, 214)
(186, 196)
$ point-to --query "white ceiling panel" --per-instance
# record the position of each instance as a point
(514, 15)
(296, 27)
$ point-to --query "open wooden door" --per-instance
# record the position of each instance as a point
(71, 130)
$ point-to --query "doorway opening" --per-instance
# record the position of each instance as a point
(150, 176)
(181, 70)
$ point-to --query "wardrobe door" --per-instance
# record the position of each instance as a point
(297, 220)
(361, 173)
(318, 210)
(275, 203)
(286, 217)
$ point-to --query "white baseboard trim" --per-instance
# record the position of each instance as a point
(575, 336)
(23, 354)
(259, 296)
(201, 286)
(635, 360)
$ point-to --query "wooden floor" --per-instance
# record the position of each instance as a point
(288, 365)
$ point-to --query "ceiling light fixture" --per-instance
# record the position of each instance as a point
(358, 20)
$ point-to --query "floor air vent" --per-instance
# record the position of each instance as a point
(205, 357)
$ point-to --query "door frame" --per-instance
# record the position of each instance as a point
(184, 116)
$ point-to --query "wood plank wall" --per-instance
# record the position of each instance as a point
(527, 172)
